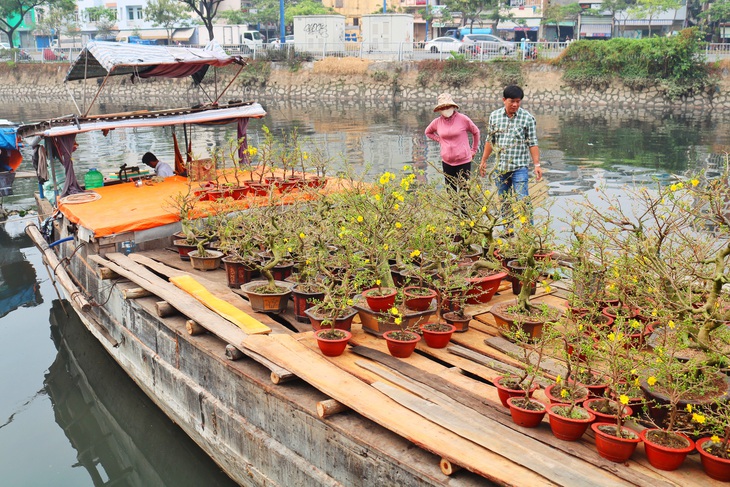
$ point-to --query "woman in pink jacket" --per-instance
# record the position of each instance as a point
(451, 131)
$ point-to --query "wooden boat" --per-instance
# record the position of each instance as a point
(268, 407)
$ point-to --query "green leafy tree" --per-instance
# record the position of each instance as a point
(471, 10)
(234, 17)
(615, 6)
(649, 9)
(718, 12)
(306, 7)
(12, 13)
(104, 19)
(169, 14)
(207, 10)
(53, 19)
(556, 14)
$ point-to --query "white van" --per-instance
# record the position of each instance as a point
(251, 40)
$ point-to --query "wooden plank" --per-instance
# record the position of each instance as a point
(180, 300)
(220, 289)
(547, 364)
(469, 393)
(324, 375)
(522, 450)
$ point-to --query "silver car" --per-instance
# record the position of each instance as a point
(487, 44)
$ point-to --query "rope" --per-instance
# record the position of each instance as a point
(74, 199)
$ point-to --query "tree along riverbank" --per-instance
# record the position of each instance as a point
(351, 80)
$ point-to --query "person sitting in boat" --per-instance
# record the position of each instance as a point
(162, 169)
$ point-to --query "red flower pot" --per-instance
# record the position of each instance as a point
(437, 339)
(184, 248)
(420, 301)
(662, 457)
(401, 348)
(580, 393)
(380, 299)
(715, 467)
(505, 393)
(604, 417)
(568, 429)
(332, 347)
(482, 289)
(614, 448)
(525, 417)
(595, 390)
(342, 322)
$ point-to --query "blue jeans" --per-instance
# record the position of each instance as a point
(514, 181)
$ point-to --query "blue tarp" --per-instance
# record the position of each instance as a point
(8, 139)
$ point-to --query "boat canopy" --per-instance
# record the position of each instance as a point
(100, 59)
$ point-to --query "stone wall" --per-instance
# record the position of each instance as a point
(368, 83)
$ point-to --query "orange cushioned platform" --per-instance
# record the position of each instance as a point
(128, 208)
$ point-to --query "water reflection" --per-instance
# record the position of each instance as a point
(18, 284)
(119, 435)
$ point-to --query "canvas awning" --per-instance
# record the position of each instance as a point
(100, 59)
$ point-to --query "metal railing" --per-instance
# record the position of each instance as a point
(480, 51)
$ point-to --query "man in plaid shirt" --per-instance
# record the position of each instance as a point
(512, 136)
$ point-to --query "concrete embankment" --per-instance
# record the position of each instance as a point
(345, 80)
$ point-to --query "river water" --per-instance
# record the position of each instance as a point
(70, 417)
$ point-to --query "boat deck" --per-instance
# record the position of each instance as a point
(439, 400)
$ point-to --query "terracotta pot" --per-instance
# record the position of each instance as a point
(332, 347)
(505, 321)
(662, 457)
(568, 429)
(380, 300)
(267, 302)
(342, 322)
(595, 390)
(715, 467)
(317, 182)
(460, 323)
(237, 273)
(505, 393)
(259, 189)
(482, 289)
(210, 262)
(580, 393)
(303, 301)
(379, 323)
(401, 348)
(184, 248)
(437, 339)
(525, 417)
(421, 300)
(604, 417)
(614, 448)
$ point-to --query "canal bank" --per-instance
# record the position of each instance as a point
(350, 80)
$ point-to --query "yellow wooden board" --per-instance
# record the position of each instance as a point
(247, 323)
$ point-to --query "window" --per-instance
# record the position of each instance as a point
(134, 13)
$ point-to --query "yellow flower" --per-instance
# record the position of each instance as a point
(698, 418)
(406, 167)
(377, 197)
(484, 209)
(289, 249)
(654, 312)
(499, 241)
(547, 288)
(305, 156)
(394, 311)
(624, 399)
(636, 381)
(415, 253)
(671, 324)
(715, 439)
(307, 261)
(580, 327)
(634, 324)
(695, 182)
(385, 247)
(253, 151)
(558, 379)
(563, 392)
(398, 225)
(523, 218)
(360, 218)
(634, 371)
(301, 235)
(651, 380)
(673, 187)
(350, 302)
(398, 320)
(377, 282)
(487, 192)
(611, 337)
(689, 408)
(471, 223)
(396, 207)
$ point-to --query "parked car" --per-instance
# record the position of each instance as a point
(488, 44)
(277, 42)
(443, 44)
